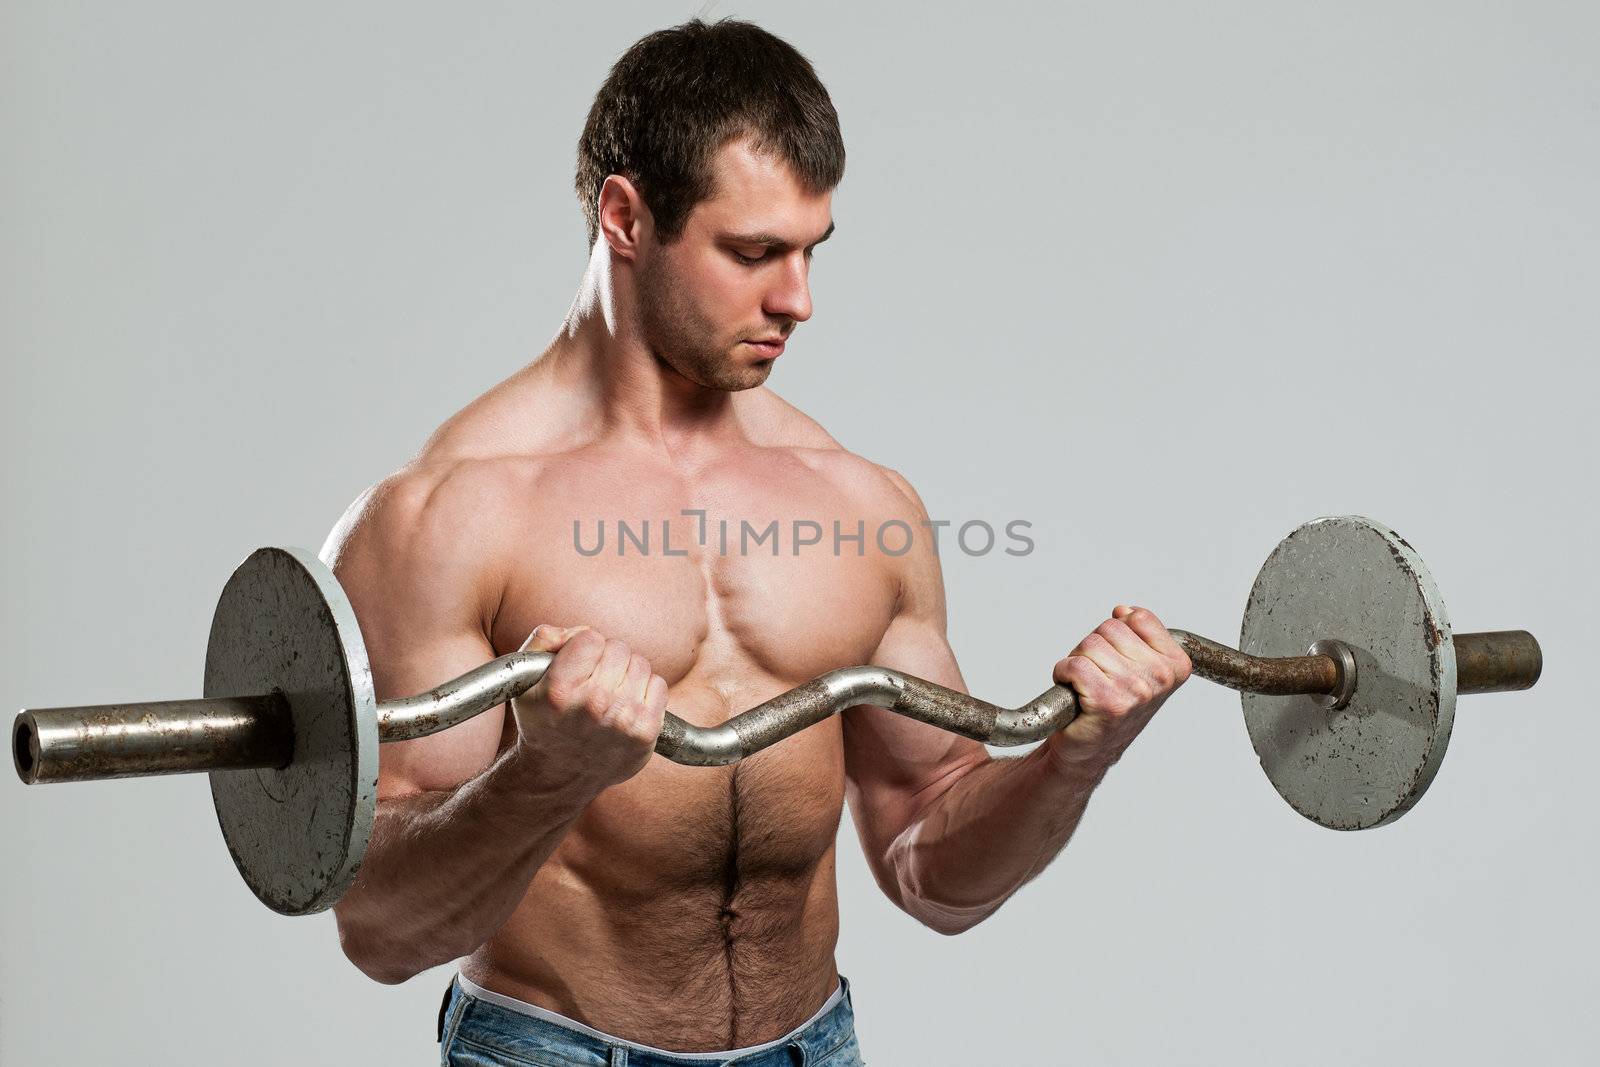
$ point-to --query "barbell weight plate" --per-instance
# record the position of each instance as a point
(297, 834)
(1359, 582)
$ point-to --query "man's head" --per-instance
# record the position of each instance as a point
(707, 164)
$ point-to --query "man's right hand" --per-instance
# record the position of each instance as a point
(595, 715)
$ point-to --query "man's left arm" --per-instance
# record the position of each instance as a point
(949, 831)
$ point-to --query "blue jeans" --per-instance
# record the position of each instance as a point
(479, 1033)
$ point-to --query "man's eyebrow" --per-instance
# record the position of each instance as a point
(772, 240)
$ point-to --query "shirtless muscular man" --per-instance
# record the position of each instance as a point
(618, 908)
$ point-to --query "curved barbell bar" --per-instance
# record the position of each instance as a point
(751, 731)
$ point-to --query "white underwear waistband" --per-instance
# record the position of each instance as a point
(534, 1010)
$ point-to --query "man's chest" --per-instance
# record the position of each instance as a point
(746, 571)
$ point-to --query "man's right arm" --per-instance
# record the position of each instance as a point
(462, 826)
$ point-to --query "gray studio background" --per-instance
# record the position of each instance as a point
(1164, 280)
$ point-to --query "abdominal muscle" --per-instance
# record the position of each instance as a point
(689, 908)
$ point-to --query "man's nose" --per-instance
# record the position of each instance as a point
(790, 296)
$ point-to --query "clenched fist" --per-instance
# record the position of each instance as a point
(1122, 673)
(595, 715)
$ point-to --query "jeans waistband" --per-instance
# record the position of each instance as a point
(528, 1034)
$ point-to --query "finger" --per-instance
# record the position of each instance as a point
(637, 679)
(579, 655)
(639, 724)
(1128, 643)
(1083, 676)
(613, 666)
(655, 700)
(1112, 663)
(624, 704)
(1143, 622)
(632, 713)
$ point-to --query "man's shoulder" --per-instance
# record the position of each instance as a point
(433, 507)
(881, 487)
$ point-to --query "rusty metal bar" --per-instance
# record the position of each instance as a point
(1255, 674)
(1497, 661)
(162, 737)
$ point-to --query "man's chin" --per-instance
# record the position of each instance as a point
(753, 377)
(739, 374)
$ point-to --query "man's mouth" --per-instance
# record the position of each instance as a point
(770, 348)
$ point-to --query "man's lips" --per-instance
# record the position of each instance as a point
(770, 349)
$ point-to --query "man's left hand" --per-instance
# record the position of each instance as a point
(1122, 672)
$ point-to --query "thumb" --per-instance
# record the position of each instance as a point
(548, 638)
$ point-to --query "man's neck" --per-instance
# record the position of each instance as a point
(600, 355)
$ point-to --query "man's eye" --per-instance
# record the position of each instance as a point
(749, 260)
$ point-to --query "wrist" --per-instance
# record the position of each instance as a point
(536, 781)
(1079, 771)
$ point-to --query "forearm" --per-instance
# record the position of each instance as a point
(444, 870)
(987, 836)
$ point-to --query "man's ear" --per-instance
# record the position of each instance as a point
(625, 220)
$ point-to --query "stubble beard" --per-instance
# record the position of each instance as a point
(684, 341)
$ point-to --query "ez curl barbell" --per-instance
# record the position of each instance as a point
(1346, 665)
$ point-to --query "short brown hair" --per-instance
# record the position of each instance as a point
(680, 94)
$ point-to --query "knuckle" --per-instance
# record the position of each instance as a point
(580, 649)
(1070, 668)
